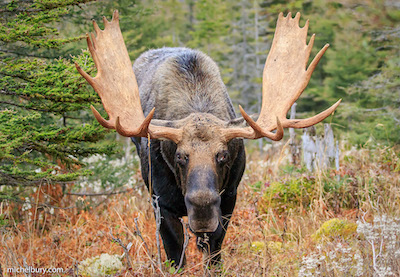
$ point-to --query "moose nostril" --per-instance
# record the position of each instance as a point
(203, 198)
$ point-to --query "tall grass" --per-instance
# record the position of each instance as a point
(277, 228)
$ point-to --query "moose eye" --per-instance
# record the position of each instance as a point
(182, 159)
(222, 157)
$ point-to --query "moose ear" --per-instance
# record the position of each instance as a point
(168, 150)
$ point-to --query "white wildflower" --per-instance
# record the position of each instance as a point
(359, 264)
(310, 264)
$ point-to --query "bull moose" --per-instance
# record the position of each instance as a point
(176, 97)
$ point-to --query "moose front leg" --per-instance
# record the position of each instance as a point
(171, 231)
(210, 244)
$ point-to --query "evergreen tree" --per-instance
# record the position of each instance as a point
(249, 44)
(376, 99)
(210, 26)
(45, 128)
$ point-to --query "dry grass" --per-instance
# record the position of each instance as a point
(259, 241)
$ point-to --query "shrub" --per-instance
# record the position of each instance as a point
(290, 195)
(334, 228)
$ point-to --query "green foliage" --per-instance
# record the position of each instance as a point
(47, 86)
(4, 221)
(28, 143)
(377, 100)
(211, 25)
(365, 174)
(274, 247)
(300, 192)
(170, 267)
(290, 195)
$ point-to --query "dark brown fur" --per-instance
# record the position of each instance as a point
(179, 82)
(198, 176)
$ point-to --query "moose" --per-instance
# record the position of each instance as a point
(175, 97)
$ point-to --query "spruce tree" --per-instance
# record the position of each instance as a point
(45, 127)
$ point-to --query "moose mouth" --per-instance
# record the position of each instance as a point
(203, 226)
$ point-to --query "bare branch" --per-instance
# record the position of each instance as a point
(125, 247)
(157, 214)
(24, 107)
(20, 10)
(39, 205)
(25, 54)
(376, 109)
(185, 245)
(138, 233)
(97, 194)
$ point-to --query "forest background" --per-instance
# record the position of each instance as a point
(51, 149)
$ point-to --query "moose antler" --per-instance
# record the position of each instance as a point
(285, 77)
(116, 85)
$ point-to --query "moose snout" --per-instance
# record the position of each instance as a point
(203, 210)
(203, 201)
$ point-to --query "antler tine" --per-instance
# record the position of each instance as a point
(93, 40)
(305, 27)
(92, 50)
(142, 131)
(259, 132)
(88, 78)
(285, 77)
(115, 16)
(105, 22)
(254, 131)
(307, 122)
(96, 27)
(297, 18)
(316, 60)
(103, 122)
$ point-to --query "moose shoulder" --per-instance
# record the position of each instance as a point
(176, 97)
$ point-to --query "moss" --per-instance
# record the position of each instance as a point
(335, 228)
(257, 246)
(273, 246)
(102, 265)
